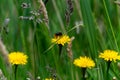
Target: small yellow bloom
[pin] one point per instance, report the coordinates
(61, 39)
(110, 55)
(84, 62)
(17, 58)
(49, 79)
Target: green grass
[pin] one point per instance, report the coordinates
(100, 31)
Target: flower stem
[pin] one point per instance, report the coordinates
(108, 67)
(83, 73)
(15, 71)
(60, 49)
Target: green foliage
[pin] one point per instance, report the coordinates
(99, 30)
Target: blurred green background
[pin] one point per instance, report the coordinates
(99, 30)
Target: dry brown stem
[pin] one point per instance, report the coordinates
(69, 49)
(4, 52)
(44, 11)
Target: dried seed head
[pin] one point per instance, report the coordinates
(2, 77)
(52, 72)
(78, 24)
(44, 11)
(30, 76)
(27, 18)
(35, 13)
(70, 6)
(117, 2)
(69, 11)
(5, 25)
(25, 5)
(67, 17)
(69, 48)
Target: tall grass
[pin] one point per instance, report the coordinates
(99, 30)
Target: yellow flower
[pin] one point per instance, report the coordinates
(49, 79)
(61, 39)
(17, 58)
(84, 62)
(110, 55)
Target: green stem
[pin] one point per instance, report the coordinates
(83, 73)
(60, 49)
(15, 71)
(108, 66)
(107, 71)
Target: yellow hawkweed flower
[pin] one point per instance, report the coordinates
(84, 62)
(61, 39)
(110, 55)
(17, 58)
(49, 79)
